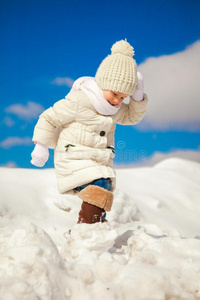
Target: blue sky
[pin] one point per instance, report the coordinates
(45, 45)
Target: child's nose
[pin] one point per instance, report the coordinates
(117, 100)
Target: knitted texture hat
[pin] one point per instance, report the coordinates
(118, 71)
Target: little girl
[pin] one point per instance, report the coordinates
(81, 129)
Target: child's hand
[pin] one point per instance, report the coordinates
(39, 155)
(138, 94)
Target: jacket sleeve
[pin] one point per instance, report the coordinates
(133, 112)
(62, 112)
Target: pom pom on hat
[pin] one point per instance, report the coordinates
(118, 71)
(123, 47)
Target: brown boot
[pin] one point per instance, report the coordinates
(90, 213)
(96, 200)
(97, 196)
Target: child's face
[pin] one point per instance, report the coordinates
(114, 98)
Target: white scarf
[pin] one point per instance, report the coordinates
(89, 86)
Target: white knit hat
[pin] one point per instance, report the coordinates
(118, 71)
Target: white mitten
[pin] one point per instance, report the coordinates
(39, 155)
(138, 94)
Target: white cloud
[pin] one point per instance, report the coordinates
(63, 81)
(30, 111)
(9, 122)
(10, 164)
(184, 154)
(13, 141)
(192, 155)
(172, 84)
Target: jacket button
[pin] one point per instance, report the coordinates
(102, 133)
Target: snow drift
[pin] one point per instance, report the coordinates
(149, 249)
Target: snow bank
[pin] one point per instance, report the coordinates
(167, 194)
(149, 249)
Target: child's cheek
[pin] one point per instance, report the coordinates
(108, 97)
(111, 97)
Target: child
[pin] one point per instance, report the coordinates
(86, 121)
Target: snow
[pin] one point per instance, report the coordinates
(149, 249)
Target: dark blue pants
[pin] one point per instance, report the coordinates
(105, 183)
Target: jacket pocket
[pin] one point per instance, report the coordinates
(102, 156)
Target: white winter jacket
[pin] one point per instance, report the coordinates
(84, 147)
